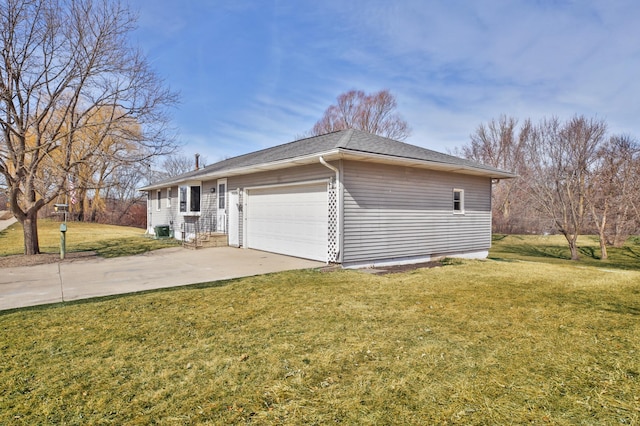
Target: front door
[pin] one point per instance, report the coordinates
(234, 218)
(221, 223)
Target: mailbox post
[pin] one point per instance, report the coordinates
(63, 240)
(62, 208)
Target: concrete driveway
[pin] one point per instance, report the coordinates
(82, 279)
(6, 222)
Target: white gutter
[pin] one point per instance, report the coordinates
(338, 204)
(337, 154)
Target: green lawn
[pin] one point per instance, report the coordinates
(475, 342)
(554, 249)
(105, 240)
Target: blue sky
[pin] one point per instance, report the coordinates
(254, 74)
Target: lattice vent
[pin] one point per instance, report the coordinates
(333, 225)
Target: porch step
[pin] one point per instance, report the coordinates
(207, 240)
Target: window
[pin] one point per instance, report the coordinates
(189, 199)
(222, 196)
(194, 205)
(182, 195)
(169, 197)
(458, 201)
(158, 199)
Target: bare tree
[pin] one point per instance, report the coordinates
(561, 157)
(500, 143)
(121, 190)
(374, 113)
(178, 163)
(613, 191)
(67, 68)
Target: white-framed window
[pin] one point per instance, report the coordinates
(189, 198)
(194, 198)
(222, 194)
(158, 199)
(458, 201)
(168, 197)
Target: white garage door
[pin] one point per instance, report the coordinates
(289, 220)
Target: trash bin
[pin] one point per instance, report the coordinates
(162, 231)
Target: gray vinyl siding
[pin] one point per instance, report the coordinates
(275, 177)
(396, 212)
(171, 215)
(166, 214)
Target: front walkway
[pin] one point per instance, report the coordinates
(4, 224)
(82, 279)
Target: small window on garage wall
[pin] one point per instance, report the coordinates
(458, 201)
(158, 199)
(169, 197)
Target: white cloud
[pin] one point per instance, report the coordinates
(452, 65)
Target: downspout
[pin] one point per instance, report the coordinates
(338, 204)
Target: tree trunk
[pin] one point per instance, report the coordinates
(573, 246)
(30, 230)
(620, 234)
(602, 226)
(603, 248)
(575, 255)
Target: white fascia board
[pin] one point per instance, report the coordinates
(275, 165)
(340, 154)
(424, 164)
(345, 154)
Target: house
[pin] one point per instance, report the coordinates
(346, 197)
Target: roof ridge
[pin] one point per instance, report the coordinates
(353, 140)
(253, 153)
(344, 139)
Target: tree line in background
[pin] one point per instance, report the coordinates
(574, 178)
(109, 193)
(80, 109)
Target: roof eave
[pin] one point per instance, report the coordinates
(262, 167)
(424, 164)
(339, 154)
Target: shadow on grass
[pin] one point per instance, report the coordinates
(524, 247)
(548, 251)
(589, 252)
(631, 253)
(126, 246)
(623, 309)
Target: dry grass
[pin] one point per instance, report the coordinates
(105, 240)
(469, 343)
(554, 249)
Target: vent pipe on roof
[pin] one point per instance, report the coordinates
(197, 161)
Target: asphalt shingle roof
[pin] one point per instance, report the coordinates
(347, 140)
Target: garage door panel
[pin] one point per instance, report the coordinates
(290, 220)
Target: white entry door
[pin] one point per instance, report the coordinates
(291, 220)
(234, 218)
(221, 223)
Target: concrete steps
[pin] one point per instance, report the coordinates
(207, 240)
